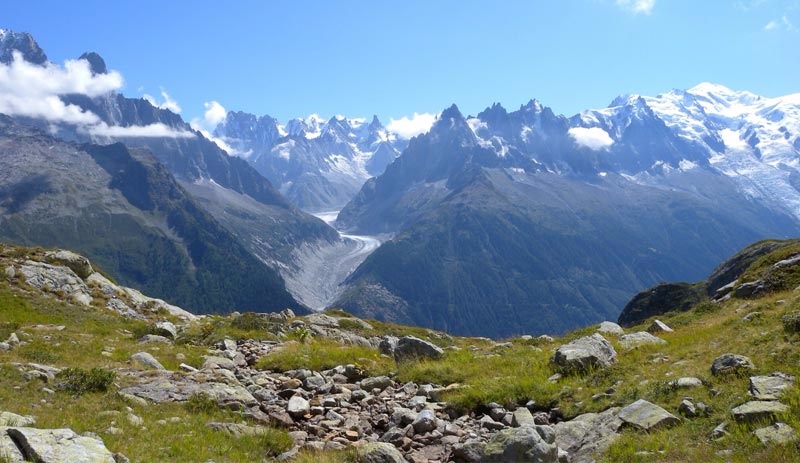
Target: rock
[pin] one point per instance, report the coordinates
(237, 429)
(522, 417)
(687, 409)
(731, 363)
(749, 289)
(720, 431)
(584, 354)
(638, 339)
(387, 345)
(647, 416)
(154, 339)
(410, 347)
(146, 360)
(770, 387)
(10, 272)
(470, 451)
(757, 410)
(161, 390)
(60, 445)
(523, 444)
(78, 264)
(376, 382)
(588, 434)
(13, 340)
(610, 328)
(298, 407)
(424, 422)
(4, 346)
(212, 362)
(167, 329)
(778, 433)
(379, 452)
(135, 420)
(659, 327)
(12, 419)
(686, 382)
(56, 279)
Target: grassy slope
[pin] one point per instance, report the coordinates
(515, 373)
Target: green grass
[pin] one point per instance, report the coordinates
(323, 354)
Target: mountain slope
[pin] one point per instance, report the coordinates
(123, 209)
(494, 240)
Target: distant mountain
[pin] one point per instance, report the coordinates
(23, 43)
(319, 165)
(123, 209)
(516, 222)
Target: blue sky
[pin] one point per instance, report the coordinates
(393, 58)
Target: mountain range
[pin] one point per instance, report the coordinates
(503, 223)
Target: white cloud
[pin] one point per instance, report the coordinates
(417, 124)
(35, 91)
(593, 138)
(772, 25)
(780, 24)
(168, 102)
(215, 113)
(637, 6)
(157, 130)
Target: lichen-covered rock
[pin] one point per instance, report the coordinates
(56, 279)
(380, 452)
(60, 446)
(770, 387)
(147, 360)
(638, 339)
(12, 419)
(584, 354)
(534, 444)
(161, 390)
(659, 327)
(731, 364)
(610, 328)
(77, 263)
(588, 434)
(647, 416)
(778, 433)
(410, 347)
(758, 410)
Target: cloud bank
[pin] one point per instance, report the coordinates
(406, 127)
(593, 138)
(214, 115)
(168, 102)
(35, 91)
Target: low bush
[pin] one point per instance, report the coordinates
(80, 381)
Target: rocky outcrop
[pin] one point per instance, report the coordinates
(638, 339)
(77, 263)
(758, 410)
(731, 364)
(660, 299)
(534, 444)
(770, 387)
(410, 347)
(585, 353)
(59, 446)
(587, 435)
(647, 416)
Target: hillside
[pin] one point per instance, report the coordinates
(83, 355)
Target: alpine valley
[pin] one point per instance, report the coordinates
(503, 223)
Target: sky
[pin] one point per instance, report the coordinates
(396, 59)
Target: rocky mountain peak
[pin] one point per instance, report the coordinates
(22, 42)
(96, 62)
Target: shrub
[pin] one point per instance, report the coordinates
(80, 381)
(791, 322)
(200, 402)
(250, 321)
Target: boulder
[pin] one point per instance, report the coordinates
(647, 416)
(379, 452)
(298, 407)
(686, 382)
(758, 410)
(161, 390)
(610, 328)
(588, 434)
(731, 363)
(659, 327)
(584, 354)
(12, 419)
(56, 279)
(522, 417)
(535, 444)
(78, 264)
(60, 445)
(410, 347)
(8, 449)
(376, 382)
(387, 345)
(638, 339)
(146, 360)
(778, 433)
(167, 329)
(424, 422)
(770, 387)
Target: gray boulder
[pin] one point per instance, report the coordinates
(522, 417)
(56, 279)
(8, 449)
(686, 382)
(610, 328)
(647, 416)
(146, 360)
(376, 382)
(638, 339)
(731, 363)
(410, 347)
(298, 407)
(584, 354)
(380, 452)
(60, 445)
(534, 444)
(588, 434)
(387, 345)
(424, 422)
(167, 329)
(162, 390)
(78, 264)
(770, 387)
(758, 410)
(659, 327)
(778, 433)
